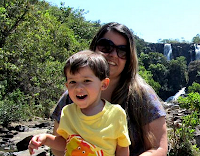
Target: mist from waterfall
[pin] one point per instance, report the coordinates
(197, 51)
(168, 51)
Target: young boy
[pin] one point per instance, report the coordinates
(91, 125)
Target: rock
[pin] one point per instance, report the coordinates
(178, 49)
(42, 151)
(16, 137)
(23, 144)
(20, 136)
(44, 124)
(173, 118)
(3, 130)
(21, 128)
(167, 104)
(9, 135)
(197, 139)
(197, 136)
(11, 145)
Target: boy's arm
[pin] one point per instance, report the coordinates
(54, 151)
(56, 142)
(122, 151)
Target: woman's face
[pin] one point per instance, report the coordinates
(116, 64)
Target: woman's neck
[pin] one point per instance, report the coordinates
(106, 94)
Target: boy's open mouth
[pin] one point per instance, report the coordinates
(81, 96)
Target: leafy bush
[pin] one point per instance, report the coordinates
(35, 41)
(192, 101)
(194, 88)
(180, 137)
(147, 75)
(14, 108)
(171, 75)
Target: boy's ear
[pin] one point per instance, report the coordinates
(105, 83)
(66, 84)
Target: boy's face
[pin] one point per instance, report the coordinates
(85, 88)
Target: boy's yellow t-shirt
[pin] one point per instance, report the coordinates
(102, 132)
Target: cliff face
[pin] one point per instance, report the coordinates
(193, 70)
(178, 49)
(184, 49)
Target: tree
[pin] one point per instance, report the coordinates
(182, 40)
(196, 39)
(148, 76)
(178, 75)
(12, 13)
(171, 75)
(34, 49)
(153, 58)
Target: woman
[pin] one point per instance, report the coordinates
(146, 116)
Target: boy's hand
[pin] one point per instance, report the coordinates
(36, 142)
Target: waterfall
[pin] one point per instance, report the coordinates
(197, 52)
(168, 51)
(176, 96)
(181, 92)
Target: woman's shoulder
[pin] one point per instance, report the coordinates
(63, 101)
(155, 104)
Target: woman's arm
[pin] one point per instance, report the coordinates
(55, 152)
(159, 129)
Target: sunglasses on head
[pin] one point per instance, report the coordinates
(107, 46)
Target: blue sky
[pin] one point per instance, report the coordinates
(151, 20)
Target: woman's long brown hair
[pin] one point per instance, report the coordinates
(129, 92)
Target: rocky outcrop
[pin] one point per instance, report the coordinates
(183, 49)
(155, 47)
(14, 139)
(178, 49)
(174, 119)
(194, 72)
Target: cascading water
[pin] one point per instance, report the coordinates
(168, 51)
(197, 51)
(181, 92)
(177, 95)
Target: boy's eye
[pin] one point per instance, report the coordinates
(72, 82)
(87, 81)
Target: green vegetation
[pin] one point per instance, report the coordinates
(170, 75)
(196, 39)
(194, 88)
(181, 136)
(192, 100)
(36, 39)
